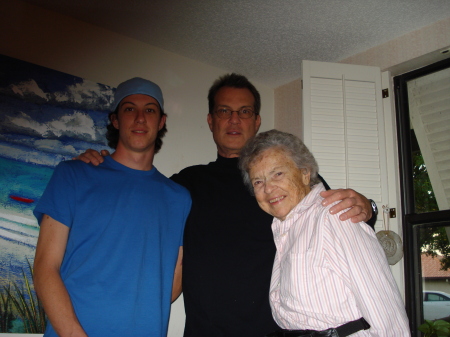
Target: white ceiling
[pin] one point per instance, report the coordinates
(262, 39)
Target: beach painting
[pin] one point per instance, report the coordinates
(46, 116)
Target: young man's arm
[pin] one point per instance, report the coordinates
(177, 287)
(47, 279)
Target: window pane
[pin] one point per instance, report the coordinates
(435, 266)
(425, 200)
(429, 109)
(423, 117)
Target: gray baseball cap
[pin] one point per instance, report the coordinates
(135, 86)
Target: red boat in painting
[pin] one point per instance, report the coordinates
(21, 199)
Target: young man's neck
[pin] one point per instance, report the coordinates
(142, 161)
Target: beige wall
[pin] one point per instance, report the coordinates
(288, 107)
(399, 55)
(442, 285)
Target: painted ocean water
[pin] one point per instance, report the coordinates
(21, 185)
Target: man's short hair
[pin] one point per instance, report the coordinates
(233, 80)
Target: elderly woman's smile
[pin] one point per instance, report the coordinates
(277, 182)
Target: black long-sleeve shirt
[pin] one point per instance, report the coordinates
(228, 254)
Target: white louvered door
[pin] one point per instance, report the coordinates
(343, 125)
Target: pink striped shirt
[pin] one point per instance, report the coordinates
(328, 272)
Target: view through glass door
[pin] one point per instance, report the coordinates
(423, 114)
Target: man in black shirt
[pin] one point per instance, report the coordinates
(228, 242)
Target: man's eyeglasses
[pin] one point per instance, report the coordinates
(243, 113)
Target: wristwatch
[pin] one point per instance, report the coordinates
(374, 207)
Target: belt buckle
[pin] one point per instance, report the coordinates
(332, 332)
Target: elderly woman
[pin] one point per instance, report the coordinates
(329, 277)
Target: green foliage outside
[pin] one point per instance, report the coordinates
(423, 191)
(438, 328)
(20, 309)
(431, 240)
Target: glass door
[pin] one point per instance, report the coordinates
(423, 118)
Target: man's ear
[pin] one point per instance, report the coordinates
(258, 122)
(162, 122)
(114, 121)
(209, 120)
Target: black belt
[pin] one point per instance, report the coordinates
(341, 331)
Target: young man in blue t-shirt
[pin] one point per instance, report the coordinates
(110, 245)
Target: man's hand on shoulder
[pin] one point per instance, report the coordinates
(92, 156)
(360, 207)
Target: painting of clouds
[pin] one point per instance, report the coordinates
(45, 117)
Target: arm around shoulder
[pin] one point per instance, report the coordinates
(360, 208)
(92, 156)
(47, 279)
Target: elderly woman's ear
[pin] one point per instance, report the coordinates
(306, 177)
